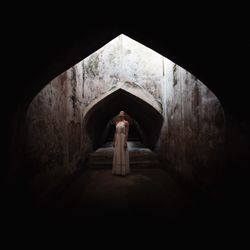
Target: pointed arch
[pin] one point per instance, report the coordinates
(97, 115)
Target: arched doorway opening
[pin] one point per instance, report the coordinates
(146, 120)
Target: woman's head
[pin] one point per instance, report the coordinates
(121, 115)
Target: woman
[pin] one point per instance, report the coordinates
(121, 154)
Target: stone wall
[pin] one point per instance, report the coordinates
(193, 134)
(121, 60)
(55, 142)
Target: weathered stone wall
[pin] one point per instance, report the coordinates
(192, 134)
(55, 142)
(122, 60)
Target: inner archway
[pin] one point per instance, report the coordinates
(147, 125)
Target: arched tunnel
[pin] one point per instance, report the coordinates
(176, 132)
(54, 136)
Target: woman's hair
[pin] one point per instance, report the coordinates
(122, 113)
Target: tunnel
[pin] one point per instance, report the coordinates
(176, 120)
(145, 120)
(54, 129)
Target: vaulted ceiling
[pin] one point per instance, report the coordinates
(42, 47)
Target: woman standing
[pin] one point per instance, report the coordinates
(121, 154)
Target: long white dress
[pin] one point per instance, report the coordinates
(121, 154)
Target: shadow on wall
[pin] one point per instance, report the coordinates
(192, 141)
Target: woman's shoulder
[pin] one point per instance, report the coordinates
(125, 121)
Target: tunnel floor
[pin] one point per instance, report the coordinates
(148, 203)
(145, 196)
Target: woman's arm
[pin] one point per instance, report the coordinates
(126, 130)
(114, 136)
